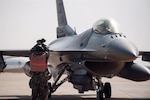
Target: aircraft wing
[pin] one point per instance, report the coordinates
(145, 55)
(17, 53)
(25, 53)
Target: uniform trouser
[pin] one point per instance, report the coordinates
(39, 86)
(42, 94)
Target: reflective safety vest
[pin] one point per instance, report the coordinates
(38, 63)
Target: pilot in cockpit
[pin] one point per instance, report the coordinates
(105, 26)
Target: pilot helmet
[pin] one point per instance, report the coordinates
(106, 25)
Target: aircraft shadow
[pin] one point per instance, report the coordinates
(15, 97)
(65, 97)
(89, 97)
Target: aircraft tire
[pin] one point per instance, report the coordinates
(107, 90)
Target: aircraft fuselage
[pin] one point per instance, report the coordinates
(99, 54)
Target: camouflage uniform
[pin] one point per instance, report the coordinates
(39, 85)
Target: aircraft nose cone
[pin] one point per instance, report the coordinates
(123, 50)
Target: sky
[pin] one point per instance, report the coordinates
(22, 22)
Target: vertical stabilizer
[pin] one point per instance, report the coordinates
(61, 15)
(63, 28)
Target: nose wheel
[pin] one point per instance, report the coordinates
(107, 90)
(103, 90)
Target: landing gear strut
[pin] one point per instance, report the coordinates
(103, 90)
(53, 87)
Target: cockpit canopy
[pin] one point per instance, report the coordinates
(103, 26)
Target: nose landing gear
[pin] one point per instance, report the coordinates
(103, 90)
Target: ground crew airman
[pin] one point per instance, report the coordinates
(38, 62)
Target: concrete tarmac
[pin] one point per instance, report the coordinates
(14, 86)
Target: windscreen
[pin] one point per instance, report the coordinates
(106, 26)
